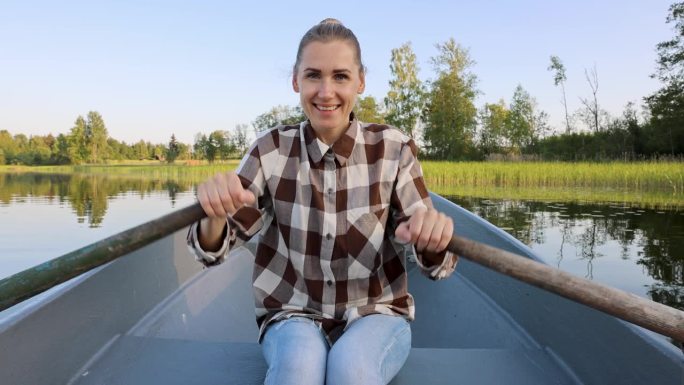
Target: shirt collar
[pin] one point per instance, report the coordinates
(342, 148)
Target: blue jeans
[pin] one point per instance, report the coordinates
(370, 352)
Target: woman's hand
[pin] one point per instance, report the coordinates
(428, 229)
(223, 195)
(219, 197)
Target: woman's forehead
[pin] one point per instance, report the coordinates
(336, 54)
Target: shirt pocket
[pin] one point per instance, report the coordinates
(364, 239)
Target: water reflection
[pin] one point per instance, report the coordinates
(87, 195)
(639, 250)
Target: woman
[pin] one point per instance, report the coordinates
(340, 204)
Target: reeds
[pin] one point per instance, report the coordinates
(650, 183)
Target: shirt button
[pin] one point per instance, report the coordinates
(330, 191)
(329, 283)
(328, 236)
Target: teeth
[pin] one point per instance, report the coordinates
(332, 108)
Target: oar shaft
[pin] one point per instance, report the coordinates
(629, 307)
(31, 282)
(651, 315)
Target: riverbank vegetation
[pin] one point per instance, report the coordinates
(644, 184)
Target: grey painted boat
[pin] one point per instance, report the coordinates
(156, 317)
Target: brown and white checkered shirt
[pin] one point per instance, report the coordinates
(327, 216)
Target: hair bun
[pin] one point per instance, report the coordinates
(331, 20)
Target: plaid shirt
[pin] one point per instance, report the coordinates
(327, 216)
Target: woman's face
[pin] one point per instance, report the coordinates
(328, 81)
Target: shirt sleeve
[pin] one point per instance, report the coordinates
(409, 195)
(246, 222)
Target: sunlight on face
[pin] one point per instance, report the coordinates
(328, 81)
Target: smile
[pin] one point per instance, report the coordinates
(326, 108)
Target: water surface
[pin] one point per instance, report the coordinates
(43, 216)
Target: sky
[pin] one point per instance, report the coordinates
(156, 68)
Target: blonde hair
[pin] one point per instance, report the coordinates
(326, 31)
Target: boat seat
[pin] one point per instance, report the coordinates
(132, 360)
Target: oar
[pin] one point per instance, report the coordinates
(629, 307)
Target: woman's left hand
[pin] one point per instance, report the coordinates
(428, 229)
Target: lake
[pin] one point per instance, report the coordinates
(639, 250)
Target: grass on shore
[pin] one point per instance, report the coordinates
(639, 183)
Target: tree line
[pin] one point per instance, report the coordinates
(440, 113)
(88, 142)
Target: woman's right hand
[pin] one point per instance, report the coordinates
(219, 197)
(223, 195)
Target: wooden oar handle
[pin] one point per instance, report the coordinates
(629, 307)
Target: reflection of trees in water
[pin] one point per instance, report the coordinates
(659, 235)
(88, 195)
(588, 240)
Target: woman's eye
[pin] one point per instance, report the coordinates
(341, 77)
(312, 75)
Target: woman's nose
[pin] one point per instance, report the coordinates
(325, 89)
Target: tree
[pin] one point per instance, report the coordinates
(493, 121)
(96, 138)
(173, 151)
(279, 115)
(591, 106)
(406, 96)
(159, 152)
(199, 147)
(239, 139)
(560, 78)
(450, 113)
(212, 146)
(78, 150)
(220, 140)
(367, 110)
(665, 131)
(8, 147)
(140, 150)
(521, 127)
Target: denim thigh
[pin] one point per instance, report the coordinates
(371, 351)
(296, 352)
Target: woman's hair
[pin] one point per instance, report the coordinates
(326, 31)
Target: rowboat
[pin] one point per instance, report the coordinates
(155, 316)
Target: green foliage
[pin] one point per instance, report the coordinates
(278, 115)
(406, 96)
(492, 133)
(239, 139)
(173, 151)
(523, 123)
(665, 133)
(367, 110)
(96, 138)
(77, 142)
(450, 113)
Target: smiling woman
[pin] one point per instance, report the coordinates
(348, 204)
(328, 77)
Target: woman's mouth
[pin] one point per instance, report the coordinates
(326, 108)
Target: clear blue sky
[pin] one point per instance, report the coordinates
(153, 68)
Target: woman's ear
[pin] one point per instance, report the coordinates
(362, 85)
(295, 85)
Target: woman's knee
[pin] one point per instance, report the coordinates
(370, 352)
(296, 352)
(350, 366)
